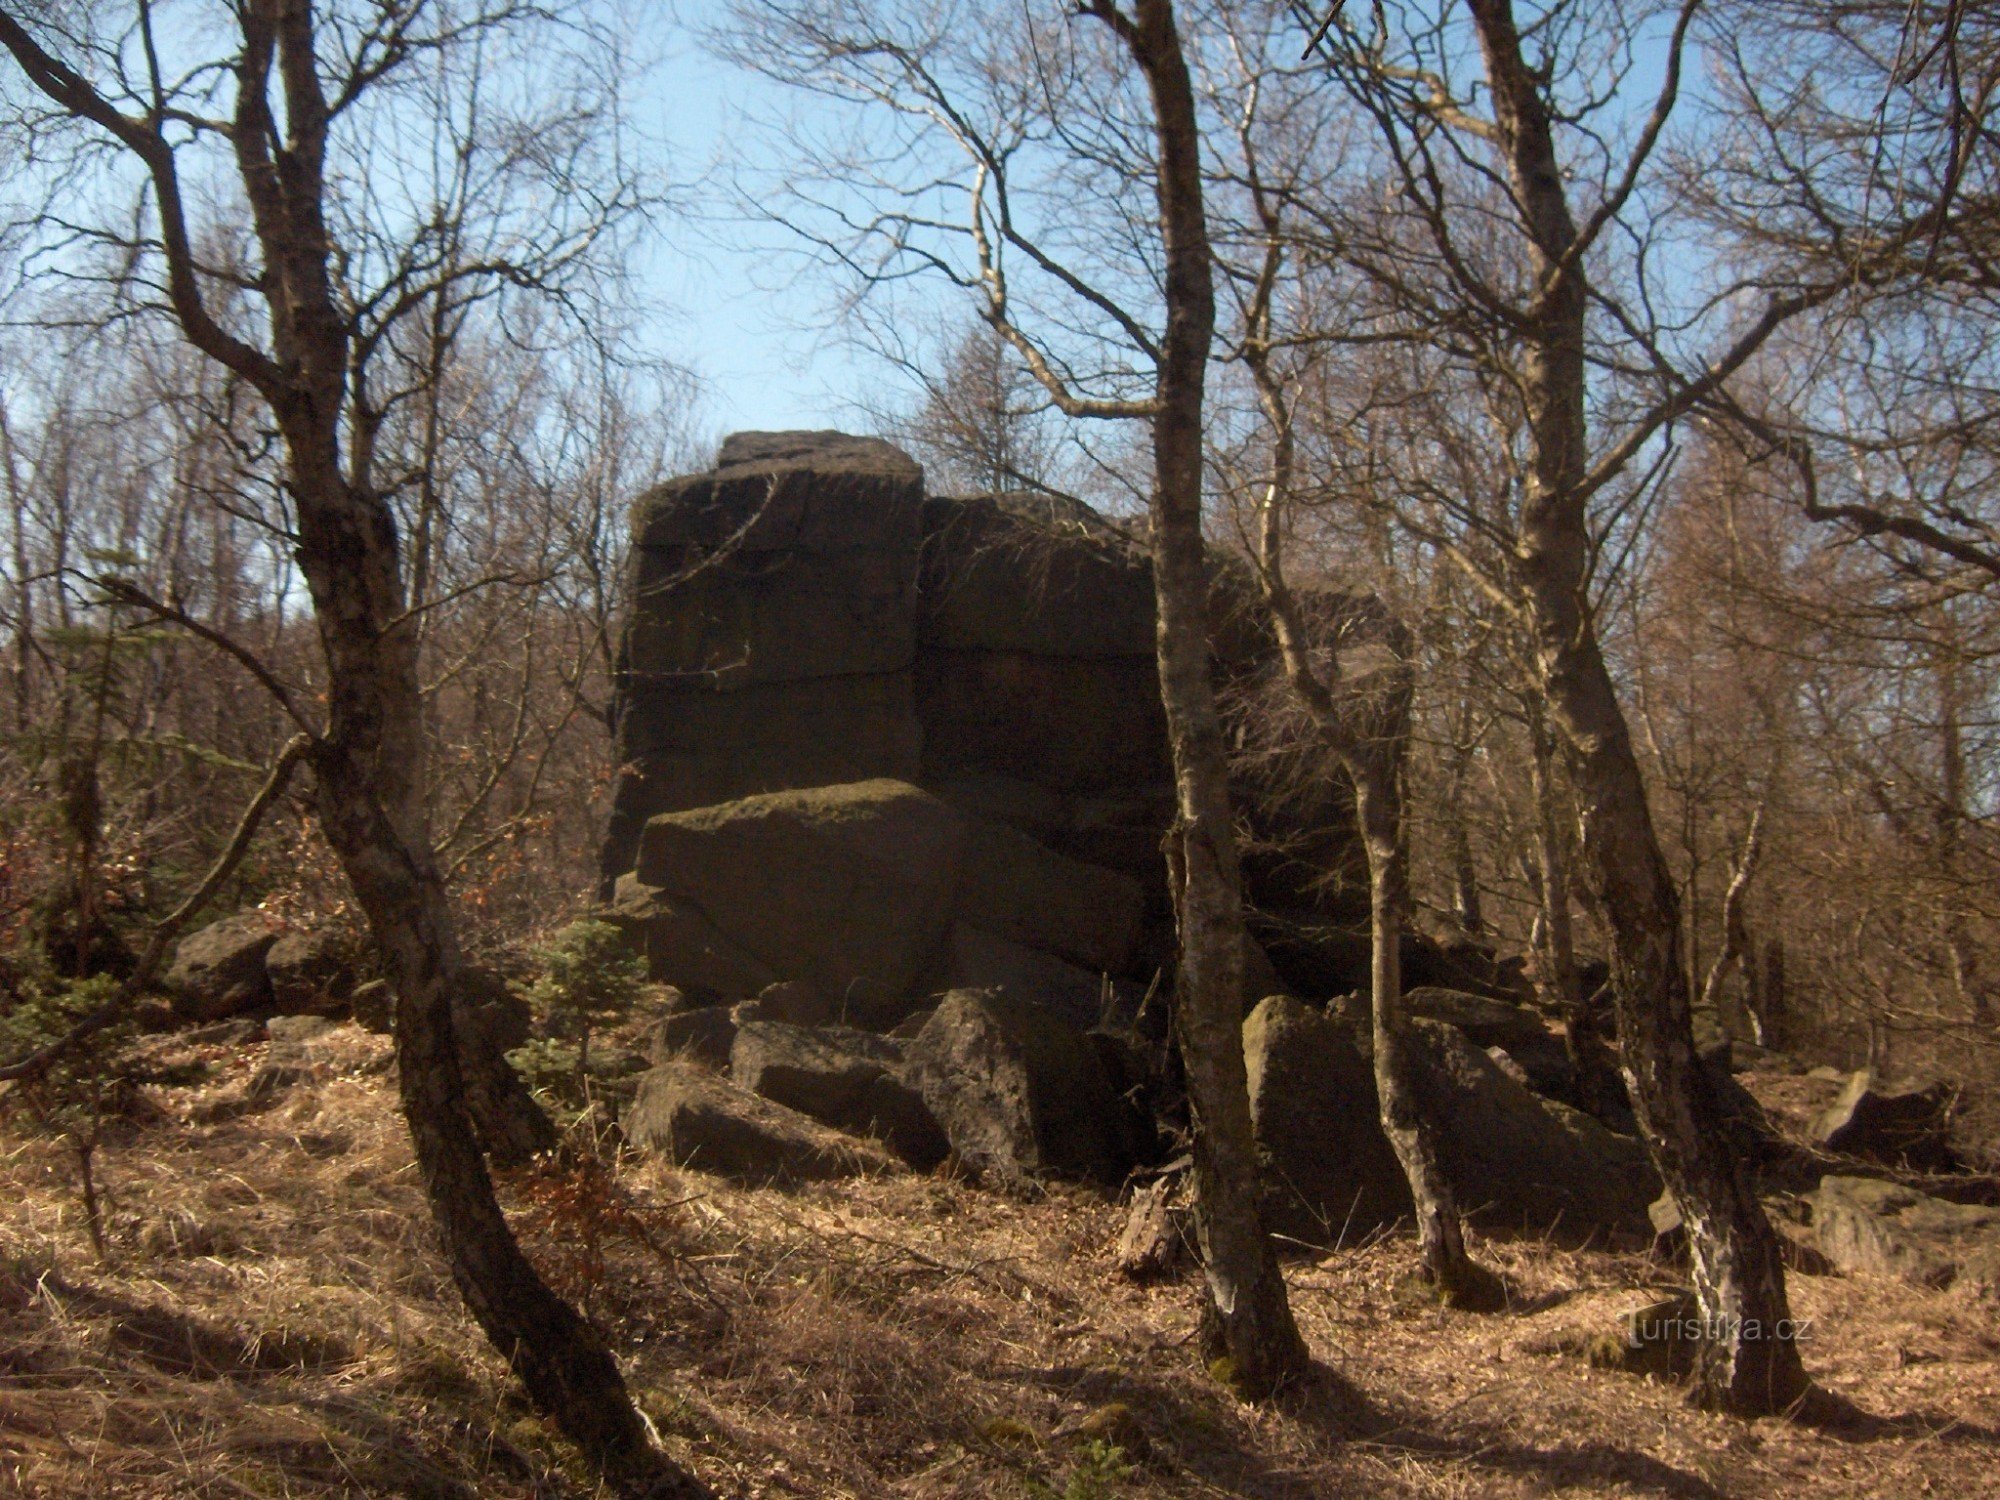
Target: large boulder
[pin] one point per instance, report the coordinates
(1020, 1094)
(833, 884)
(1329, 1175)
(701, 1120)
(1886, 1229)
(1908, 1127)
(311, 972)
(1517, 1162)
(840, 1077)
(220, 970)
(1514, 1161)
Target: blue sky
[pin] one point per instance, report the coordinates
(733, 304)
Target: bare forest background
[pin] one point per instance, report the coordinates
(1813, 693)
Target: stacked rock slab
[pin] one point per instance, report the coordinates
(802, 616)
(772, 630)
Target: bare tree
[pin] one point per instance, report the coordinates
(1107, 340)
(1512, 314)
(294, 76)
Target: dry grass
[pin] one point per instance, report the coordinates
(276, 1323)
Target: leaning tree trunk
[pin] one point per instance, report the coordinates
(1248, 1320)
(368, 769)
(1746, 1358)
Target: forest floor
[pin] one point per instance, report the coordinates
(273, 1320)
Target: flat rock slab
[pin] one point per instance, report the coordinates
(701, 1120)
(1886, 1229)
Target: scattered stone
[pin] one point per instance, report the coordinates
(840, 1077)
(220, 971)
(1886, 1229)
(1020, 1094)
(701, 1120)
(1908, 1127)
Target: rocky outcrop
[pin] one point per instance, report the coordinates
(804, 617)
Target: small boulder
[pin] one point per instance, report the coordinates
(1020, 1093)
(310, 973)
(701, 1120)
(1886, 1229)
(1907, 1127)
(220, 970)
(840, 1077)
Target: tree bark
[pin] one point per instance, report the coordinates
(1746, 1359)
(1455, 1278)
(1248, 1319)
